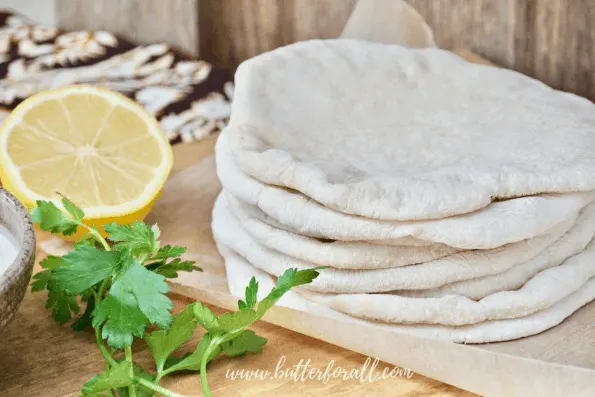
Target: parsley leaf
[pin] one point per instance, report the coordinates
(163, 343)
(251, 293)
(205, 317)
(74, 211)
(51, 262)
(234, 321)
(193, 360)
(246, 342)
(85, 267)
(52, 219)
(289, 279)
(167, 251)
(122, 317)
(171, 269)
(138, 237)
(136, 298)
(119, 375)
(42, 278)
(173, 360)
(149, 289)
(62, 305)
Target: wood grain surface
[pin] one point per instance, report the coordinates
(142, 21)
(551, 40)
(232, 31)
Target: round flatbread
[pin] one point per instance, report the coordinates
(497, 224)
(461, 266)
(541, 292)
(239, 273)
(571, 243)
(388, 132)
(338, 254)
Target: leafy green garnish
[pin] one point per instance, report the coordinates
(138, 238)
(136, 298)
(118, 375)
(43, 277)
(171, 269)
(121, 280)
(51, 219)
(205, 317)
(246, 342)
(62, 306)
(167, 251)
(75, 212)
(163, 343)
(83, 267)
(251, 293)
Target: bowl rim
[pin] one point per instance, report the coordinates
(23, 261)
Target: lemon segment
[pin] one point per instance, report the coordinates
(95, 146)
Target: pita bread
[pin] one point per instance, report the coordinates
(572, 243)
(461, 266)
(337, 254)
(239, 273)
(495, 225)
(542, 291)
(388, 132)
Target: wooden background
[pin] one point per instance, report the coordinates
(552, 40)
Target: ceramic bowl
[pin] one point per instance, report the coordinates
(15, 279)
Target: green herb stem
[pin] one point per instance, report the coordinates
(104, 352)
(102, 289)
(165, 372)
(128, 356)
(156, 388)
(110, 392)
(203, 376)
(203, 368)
(107, 247)
(160, 374)
(97, 236)
(108, 358)
(128, 353)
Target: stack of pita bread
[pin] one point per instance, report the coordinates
(445, 198)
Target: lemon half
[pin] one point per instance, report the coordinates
(97, 147)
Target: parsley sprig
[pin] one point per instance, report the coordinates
(121, 281)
